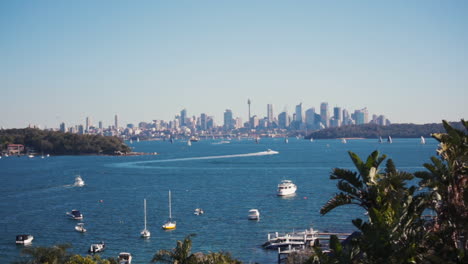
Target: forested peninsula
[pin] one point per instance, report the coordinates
(376, 131)
(59, 143)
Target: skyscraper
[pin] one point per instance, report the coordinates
(62, 127)
(88, 124)
(283, 120)
(203, 121)
(324, 114)
(183, 117)
(270, 113)
(248, 102)
(116, 122)
(361, 116)
(228, 120)
(337, 116)
(100, 124)
(310, 117)
(299, 114)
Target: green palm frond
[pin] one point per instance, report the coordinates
(347, 175)
(337, 200)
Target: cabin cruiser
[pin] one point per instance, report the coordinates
(80, 227)
(286, 187)
(24, 239)
(75, 215)
(254, 214)
(95, 248)
(198, 211)
(79, 181)
(125, 258)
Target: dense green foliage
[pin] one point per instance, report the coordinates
(376, 131)
(395, 230)
(58, 143)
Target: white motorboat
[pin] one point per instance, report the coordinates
(125, 258)
(24, 239)
(423, 141)
(170, 224)
(79, 182)
(75, 215)
(198, 211)
(254, 214)
(95, 248)
(30, 156)
(145, 233)
(80, 228)
(286, 187)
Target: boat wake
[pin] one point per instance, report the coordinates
(261, 153)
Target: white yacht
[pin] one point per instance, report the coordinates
(79, 181)
(170, 224)
(95, 248)
(286, 187)
(198, 211)
(24, 239)
(31, 156)
(75, 215)
(254, 214)
(145, 233)
(80, 228)
(125, 258)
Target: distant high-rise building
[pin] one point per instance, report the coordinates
(270, 113)
(361, 116)
(337, 116)
(100, 125)
(238, 123)
(298, 118)
(283, 120)
(228, 120)
(254, 122)
(81, 130)
(324, 114)
(88, 124)
(310, 117)
(62, 127)
(346, 118)
(183, 117)
(116, 122)
(249, 102)
(203, 122)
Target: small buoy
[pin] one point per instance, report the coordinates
(305, 198)
(101, 201)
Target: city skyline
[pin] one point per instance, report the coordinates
(63, 62)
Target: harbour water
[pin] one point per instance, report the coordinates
(225, 180)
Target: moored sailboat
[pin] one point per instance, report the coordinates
(145, 233)
(423, 141)
(170, 224)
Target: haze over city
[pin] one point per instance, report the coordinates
(147, 60)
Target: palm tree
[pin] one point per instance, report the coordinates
(179, 255)
(394, 224)
(447, 181)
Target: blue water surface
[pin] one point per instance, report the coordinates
(36, 194)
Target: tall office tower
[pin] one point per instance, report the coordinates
(81, 130)
(254, 122)
(310, 117)
(116, 122)
(203, 121)
(337, 115)
(248, 102)
(183, 117)
(100, 124)
(324, 114)
(346, 118)
(88, 124)
(299, 114)
(283, 120)
(228, 121)
(210, 122)
(62, 127)
(270, 113)
(361, 116)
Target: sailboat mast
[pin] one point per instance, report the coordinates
(170, 211)
(145, 212)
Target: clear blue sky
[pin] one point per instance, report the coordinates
(61, 61)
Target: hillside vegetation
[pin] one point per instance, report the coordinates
(376, 131)
(59, 143)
